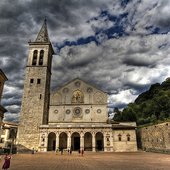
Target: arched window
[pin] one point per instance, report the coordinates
(120, 137)
(34, 60)
(41, 57)
(128, 137)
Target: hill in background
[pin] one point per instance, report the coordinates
(149, 107)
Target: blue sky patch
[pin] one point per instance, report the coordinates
(113, 32)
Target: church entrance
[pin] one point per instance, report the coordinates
(88, 141)
(51, 141)
(99, 141)
(75, 141)
(63, 141)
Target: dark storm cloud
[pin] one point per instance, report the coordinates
(12, 109)
(15, 94)
(109, 65)
(138, 88)
(162, 20)
(13, 101)
(11, 117)
(136, 62)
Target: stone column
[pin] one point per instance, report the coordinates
(7, 133)
(93, 142)
(82, 141)
(69, 140)
(57, 141)
(105, 142)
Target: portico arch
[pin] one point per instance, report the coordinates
(88, 141)
(99, 141)
(51, 141)
(62, 141)
(75, 141)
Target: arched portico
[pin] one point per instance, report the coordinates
(51, 141)
(88, 141)
(99, 141)
(62, 141)
(75, 141)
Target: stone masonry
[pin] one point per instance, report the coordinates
(156, 137)
(35, 101)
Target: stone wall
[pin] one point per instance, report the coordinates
(155, 138)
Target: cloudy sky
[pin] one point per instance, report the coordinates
(121, 46)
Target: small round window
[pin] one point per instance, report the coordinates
(65, 90)
(77, 84)
(87, 111)
(55, 111)
(77, 111)
(99, 110)
(68, 111)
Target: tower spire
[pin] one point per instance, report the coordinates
(43, 34)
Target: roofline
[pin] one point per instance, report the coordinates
(3, 109)
(119, 127)
(74, 80)
(9, 123)
(3, 74)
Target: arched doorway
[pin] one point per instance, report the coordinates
(88, 141)
(51, 141)
(63, 141)
(75, 141)
(99, 141)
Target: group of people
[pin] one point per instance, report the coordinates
(69, 151)
(62, 150)
(80, 151)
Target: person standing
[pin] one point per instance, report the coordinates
(70, 151)
(6, 164)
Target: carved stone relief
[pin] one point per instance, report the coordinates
(77, 97)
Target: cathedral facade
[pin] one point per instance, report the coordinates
(74, 116)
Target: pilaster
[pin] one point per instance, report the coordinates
(69, 140)
(82, 140)
(93, 142)
(57, 141)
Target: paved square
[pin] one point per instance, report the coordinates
(91, 161)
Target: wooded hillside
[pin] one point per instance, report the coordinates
(149, 107)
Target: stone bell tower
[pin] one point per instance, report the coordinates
(35, 101)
